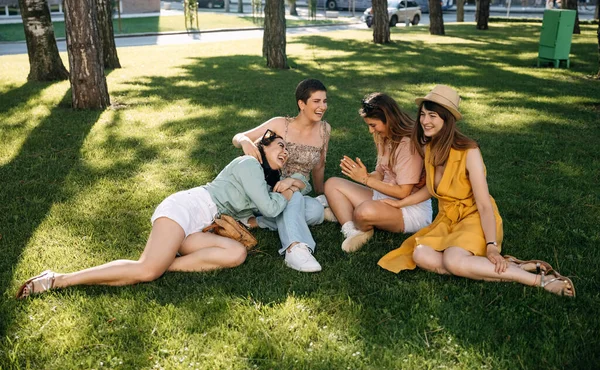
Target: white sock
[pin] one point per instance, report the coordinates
(348, 227)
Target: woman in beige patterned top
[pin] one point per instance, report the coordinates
(307, 136)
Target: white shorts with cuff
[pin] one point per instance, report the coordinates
(415, 217)
(192, 209)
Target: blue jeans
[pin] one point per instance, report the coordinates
(292, 224)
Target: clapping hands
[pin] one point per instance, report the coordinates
(355, 170)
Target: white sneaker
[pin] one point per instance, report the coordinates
(355, 238)
(329, 216)
(323, 200)
(301, 259)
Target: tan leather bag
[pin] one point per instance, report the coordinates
(228, 227)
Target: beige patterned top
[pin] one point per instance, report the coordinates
(303, 158)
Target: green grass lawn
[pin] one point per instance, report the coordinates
(206, 21)
(79, 187)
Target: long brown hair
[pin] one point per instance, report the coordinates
(448, 137)
(399, 124)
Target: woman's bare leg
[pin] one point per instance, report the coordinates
(372, 213)
(463, 263)
(460, 262)
(164, 241)
(207, 251)
(429, 259)
(344, 196)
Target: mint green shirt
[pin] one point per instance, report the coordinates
(240, 190)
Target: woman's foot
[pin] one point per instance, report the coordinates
(37, 284)
(536, 266)
(299, 257)
(355, 238)
(557, 284)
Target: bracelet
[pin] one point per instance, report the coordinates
(495, 244)
(365, 183)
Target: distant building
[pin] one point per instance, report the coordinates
(11, 7)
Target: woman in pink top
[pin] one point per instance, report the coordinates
(399, 173)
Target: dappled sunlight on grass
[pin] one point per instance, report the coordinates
(440, 40)
(20, 119)
(79, 188)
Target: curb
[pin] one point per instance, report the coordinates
(195, 32)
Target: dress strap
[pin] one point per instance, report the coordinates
(287, 123)
(324, 134)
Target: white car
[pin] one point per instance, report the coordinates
(398, 11)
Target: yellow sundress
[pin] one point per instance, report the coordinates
(457, 223)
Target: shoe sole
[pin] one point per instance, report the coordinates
(302, 270)
(357, 242)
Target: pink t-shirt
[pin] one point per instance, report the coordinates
(408, 166)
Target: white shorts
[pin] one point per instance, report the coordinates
(192, 209)
(415, 217)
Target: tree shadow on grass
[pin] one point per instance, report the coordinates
(409, 308)
(33, 183)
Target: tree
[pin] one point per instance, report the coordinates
(460, 10)
(88, 83)
(274, 34)
(44, 61)
(598, 34)
(572, 4)
(293, 10)
(381, 27)
(482, 14)
(107, 35)
(240, 6)
(436, 19)
(226, 6)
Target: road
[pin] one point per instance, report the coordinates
(212, 36)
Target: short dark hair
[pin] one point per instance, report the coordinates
(306, 88)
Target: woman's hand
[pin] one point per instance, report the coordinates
(396, 203)
(284, 184)
(249, 148)
(287, 194)
(357, 171)
(494, 256)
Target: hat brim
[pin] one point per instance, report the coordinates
(451, 109)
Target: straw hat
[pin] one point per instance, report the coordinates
(445, 96)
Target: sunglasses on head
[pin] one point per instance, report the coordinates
(268, 137)
(367, 107)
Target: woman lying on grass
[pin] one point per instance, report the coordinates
(466, 236)
(176, 241)
(398, 173)
(307, 136)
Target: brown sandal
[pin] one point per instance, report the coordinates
(45, 280)
(567, 283)
(541, 267)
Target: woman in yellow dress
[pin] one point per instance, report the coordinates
(466, 236)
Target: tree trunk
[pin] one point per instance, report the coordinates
(274, 34)
(381, 26)
(597, 12)
(293, 10)
(107, 35)
(436, 19)
(572, 4)
(44, 61)
(226, 5)
(482, 14)
(460, 10)
(240, 6)
(598, 34)
(88, 83)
